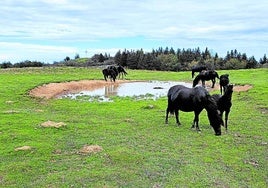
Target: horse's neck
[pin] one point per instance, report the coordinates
(197, 79)
(227, 96)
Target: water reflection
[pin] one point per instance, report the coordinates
(138, 90)
(111, 90)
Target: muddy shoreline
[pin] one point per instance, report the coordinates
(54, 90)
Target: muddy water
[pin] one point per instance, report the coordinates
(138, 90)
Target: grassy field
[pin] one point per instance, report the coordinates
(136, 148)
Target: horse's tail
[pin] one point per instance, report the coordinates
(213, 114)
(171, 106)
(196, 80)
(192, 73)
(217, 75)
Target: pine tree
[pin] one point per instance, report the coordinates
(117, 58)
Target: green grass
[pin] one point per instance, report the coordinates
(139, 150)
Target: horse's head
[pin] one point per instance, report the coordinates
(214, 116)
(216, 122)
(216, 125)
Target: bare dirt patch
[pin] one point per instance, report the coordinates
(242, 88)
(236, 88)
(53, 124)
(88, 149)
(53, 90)
(23, 148)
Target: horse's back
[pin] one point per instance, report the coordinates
(185, 92)
(178, 90)
(188, 98)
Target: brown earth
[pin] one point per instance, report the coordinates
(237, 88)
(54, 90)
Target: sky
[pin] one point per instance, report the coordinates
(50, 30)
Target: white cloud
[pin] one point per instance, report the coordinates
(70, 23)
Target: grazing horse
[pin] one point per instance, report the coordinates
(224, 81)
(205, 76)
(198, 69)
(224, 102)
(109, 73)
(193, 99)
(121, 71)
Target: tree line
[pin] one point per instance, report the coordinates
(183, 59)
(165, 59)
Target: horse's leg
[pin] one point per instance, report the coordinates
(167, 112)
(177, 117)
(196, 120)
(213, 82)
(226, 118)
(203, 83)
(105, 77)
(193, 125)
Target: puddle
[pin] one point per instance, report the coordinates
(138, 90)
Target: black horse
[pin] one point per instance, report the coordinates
(193, 99)
(224, 102)
(109, 73)
(205, 76)
(224, 81)
(198, 69)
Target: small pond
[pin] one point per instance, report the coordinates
(138, 90)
